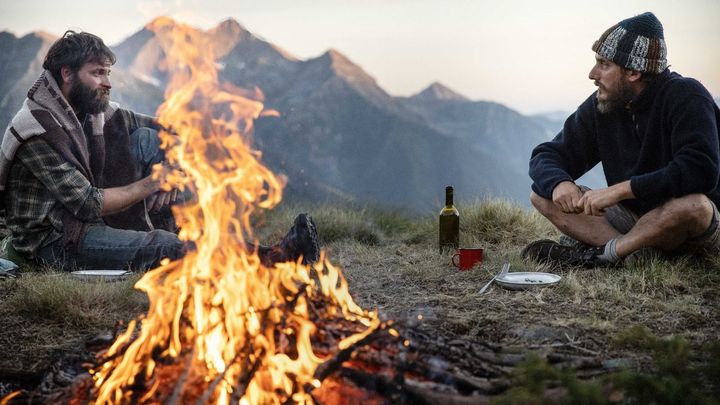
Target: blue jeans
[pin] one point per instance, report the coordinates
(109, 248)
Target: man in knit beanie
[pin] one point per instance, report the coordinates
(636, 44)
(656, 135)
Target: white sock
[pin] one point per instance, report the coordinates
(610, 253)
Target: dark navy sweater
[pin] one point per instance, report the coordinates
(666, 144)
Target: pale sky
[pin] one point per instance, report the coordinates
(531, 55)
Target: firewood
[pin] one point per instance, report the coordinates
(428, 395)
(576, 362)
(331, 365)
(180, 384)
(247, 376)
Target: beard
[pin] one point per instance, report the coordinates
(617, 97)
(86, 100)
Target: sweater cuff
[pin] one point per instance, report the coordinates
(546, 188)
(650, 185)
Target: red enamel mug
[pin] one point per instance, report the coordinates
(467, 258)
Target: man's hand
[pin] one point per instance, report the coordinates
(116, 199)
(160, 199)
(594, 202)
(169, 177)
(159, 186)
(566, 196)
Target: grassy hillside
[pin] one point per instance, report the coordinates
(643, 312)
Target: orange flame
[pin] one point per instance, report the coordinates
(216, 312)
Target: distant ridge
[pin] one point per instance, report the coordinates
(438, 91)
(20, 65)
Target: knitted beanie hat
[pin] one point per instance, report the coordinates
(635, 43)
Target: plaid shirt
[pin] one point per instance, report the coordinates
(39, 180)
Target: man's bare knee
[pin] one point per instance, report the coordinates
(543, 205)
(692, 212)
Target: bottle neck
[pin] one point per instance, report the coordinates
(449, 197)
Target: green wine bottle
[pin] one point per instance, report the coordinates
(449, 223)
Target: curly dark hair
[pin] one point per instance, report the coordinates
(74, 49)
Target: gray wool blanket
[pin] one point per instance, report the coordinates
(46, 112)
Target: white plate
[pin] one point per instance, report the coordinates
(101, 274)
(527, 279)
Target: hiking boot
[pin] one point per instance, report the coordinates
(302, 240)
(549, 251)
(572, 242)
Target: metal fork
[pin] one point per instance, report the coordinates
(503, 271)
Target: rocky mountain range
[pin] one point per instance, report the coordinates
(339, 135)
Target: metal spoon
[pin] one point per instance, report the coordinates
(503, 271)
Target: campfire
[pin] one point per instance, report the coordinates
(222, 327)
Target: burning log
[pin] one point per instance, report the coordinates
(331, 365)
(180, 384)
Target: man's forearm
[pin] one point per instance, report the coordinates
(623, 191)
(119, 198)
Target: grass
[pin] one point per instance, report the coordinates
(71, 303)
(392, 263)
(45, 316)
(678, 374)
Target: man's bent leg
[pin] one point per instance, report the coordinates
(670, 225)
(105, 247)
(110, 248)
(145, 147)
(592, 230)
(708, 242)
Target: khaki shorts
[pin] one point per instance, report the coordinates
(623, 219)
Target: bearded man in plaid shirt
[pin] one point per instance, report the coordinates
(76, 174)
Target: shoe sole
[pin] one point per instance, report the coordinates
(309, 224)
(554, 253)
(525, 252)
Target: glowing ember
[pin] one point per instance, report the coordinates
(221, 327)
